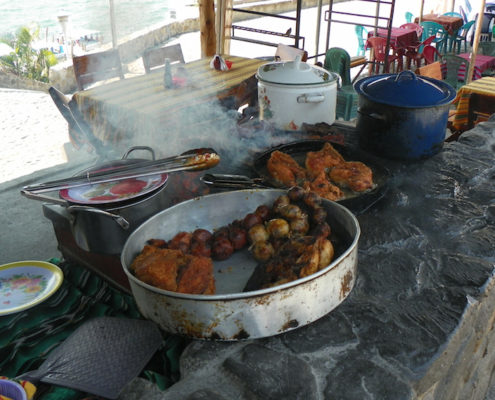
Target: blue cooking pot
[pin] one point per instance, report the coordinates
(403, 116)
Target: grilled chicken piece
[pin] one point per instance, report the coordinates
(284, 169)
(322, 186)
(158, 267)
(173, 270)
(352, 174)
(196, 276)
(322, 160)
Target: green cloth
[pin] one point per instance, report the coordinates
(27, 337)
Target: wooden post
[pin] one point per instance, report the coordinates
(421, 10)
(476, 42)
(223, 25)
(112, 25)
(207, 27)
(227, 25)
(219, 23)
(318, 25)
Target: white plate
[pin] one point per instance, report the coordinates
(111, 192)
(24, 284)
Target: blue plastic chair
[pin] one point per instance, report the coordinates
(453, 63)
(338, 60)
(456, 40)
(361, 33)
(441, 35)
(487, 48)
(409, 16)
(452, 14)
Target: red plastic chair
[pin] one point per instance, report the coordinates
(430, 54)
(379, 46)
(411, 25)
(415, 53)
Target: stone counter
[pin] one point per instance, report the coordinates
(419, 322)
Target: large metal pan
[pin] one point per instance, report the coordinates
(232, 314)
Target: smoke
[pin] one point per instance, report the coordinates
(190, 121)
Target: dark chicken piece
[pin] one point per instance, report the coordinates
(311, 199)
(279, 203)
(284, 169)
(237, 236)
(181, 241)
(278, 228)
(199, 248)
(299, 226)
(262, 250)
(201, 243)
(201, 235)
(221, 233)
(291, 211)
(263, 212)
(258, 233)
(322, 229)
(353, 174)
(251, 220)
(294, 259)
(222, 249)
(158, 243)
(296, 193)
(318, 215)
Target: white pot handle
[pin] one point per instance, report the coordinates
(306, 98)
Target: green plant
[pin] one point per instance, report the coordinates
(26, 61)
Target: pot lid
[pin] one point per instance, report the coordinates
(405, 89)
(114, 191)
(295, 72)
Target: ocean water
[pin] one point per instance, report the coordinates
(93, 15)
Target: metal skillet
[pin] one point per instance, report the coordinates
(357, 202)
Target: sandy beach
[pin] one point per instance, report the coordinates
(32, 133)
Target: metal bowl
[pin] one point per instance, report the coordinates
(231, 314)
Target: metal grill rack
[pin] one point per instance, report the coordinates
(298, 39)
(375, 21)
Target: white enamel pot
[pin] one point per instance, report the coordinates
(294, 92)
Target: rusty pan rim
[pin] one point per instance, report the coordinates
(241, 295)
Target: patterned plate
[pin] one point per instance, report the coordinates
(111, 192)
(24, 284)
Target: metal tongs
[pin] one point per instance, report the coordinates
(192, 160)
(233, 181)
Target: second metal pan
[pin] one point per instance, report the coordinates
(357, 202)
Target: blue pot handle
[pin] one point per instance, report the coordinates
(405, 76)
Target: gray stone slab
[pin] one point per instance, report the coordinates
(419, 322)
